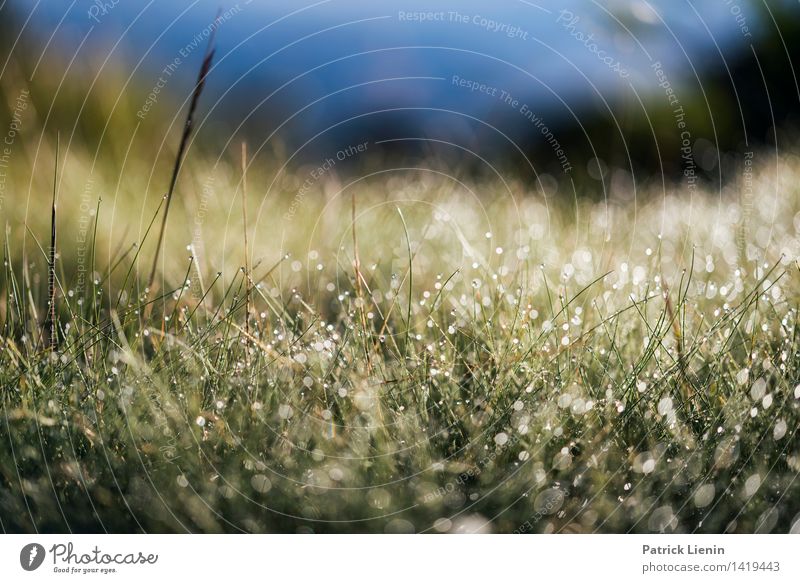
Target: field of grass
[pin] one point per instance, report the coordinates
(476, 356)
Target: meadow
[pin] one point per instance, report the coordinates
(407, 351)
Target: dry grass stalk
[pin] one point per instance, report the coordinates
(246, 249)
(52, 341)
(187, 131)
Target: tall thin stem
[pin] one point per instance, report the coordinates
(246, 249)
(52, 343)
(187, 131)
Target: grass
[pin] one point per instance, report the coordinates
(416, 357)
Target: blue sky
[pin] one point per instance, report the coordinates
(329, 61)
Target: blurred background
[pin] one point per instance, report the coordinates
(602, 94)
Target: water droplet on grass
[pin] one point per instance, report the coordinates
(780, 430)
(704, 495)
(261, 483)
(752, 485)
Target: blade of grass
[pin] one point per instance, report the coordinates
(187, 131)
(359, 291)
(410, 277)
(51, 268)
(246, 250)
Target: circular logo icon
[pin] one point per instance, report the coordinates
(31, 556)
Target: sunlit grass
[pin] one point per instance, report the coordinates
(507, 362)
